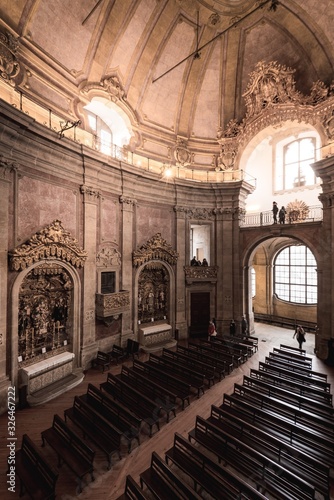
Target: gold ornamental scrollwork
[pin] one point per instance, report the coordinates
(155, 249)
(52, 242)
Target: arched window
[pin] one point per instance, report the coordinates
(293, 164)
(295, 275)
(253, 279)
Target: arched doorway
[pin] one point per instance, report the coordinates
(264, 300)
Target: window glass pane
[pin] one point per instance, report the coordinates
(295, 276)
(307, 149)
(291, 152)
(108, 282)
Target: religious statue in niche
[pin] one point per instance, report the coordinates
(45, 300)
(153, 288)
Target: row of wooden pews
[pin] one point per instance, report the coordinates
(273, 437)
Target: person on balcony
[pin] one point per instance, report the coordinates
(281, 215)
(275, 212)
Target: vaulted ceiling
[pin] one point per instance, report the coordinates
(182, 65)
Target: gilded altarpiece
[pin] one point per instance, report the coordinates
(153, 293)
(45, 300)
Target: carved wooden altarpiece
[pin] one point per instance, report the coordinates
(154, 279)
(46, 292)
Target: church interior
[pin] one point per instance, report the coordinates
(163, 163)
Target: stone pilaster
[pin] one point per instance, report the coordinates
(5, 182)
(325, 259)
(128, 205)
(90, 212)
(180, 292)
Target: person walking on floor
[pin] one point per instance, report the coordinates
(211, 330)
(244, 326)
(300, 335)
(232, 328)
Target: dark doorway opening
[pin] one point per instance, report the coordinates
(199, 314)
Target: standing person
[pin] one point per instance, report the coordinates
(211, 330)
(232, 328)
(244, 326)
(300, 335)
(281, 215)
(275, 212)
(193, 261)
(205, 262)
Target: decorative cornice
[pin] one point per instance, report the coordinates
(155, 249)
(108, 256)
(127, 200)
(208, 213)
(52, 242)
(90, 193)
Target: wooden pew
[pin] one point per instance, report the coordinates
(252, 343)
(293, 385)
(216, 480)
(37, 476)
(286, 409)
(270, 477)
(156, 393)
(127, 423)
(292, 458)
(102, 359)
(164, 483)
(194, 364)
(298, 435)
(302, 402)
(306, 360)
(132, 348)
(207, 349)
(220, 367)
(70, 449)
(239, 355)
(180, 389)
(118, 353)
(133, 491)
(295, 350)
(98, 429)
(235, 343)
(194, 379)
(296, 368)
(146, 409)
(288, 374)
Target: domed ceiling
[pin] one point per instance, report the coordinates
(181, 66)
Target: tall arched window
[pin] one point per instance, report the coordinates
(293, 163)
(295, 275)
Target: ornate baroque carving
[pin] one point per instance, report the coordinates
(6, 167)
(297, 211)
(111, 85)
(127, 200)
(9, 66)
(271, 99)
(181, 153)
(108, 256)
(89, 193)
(112, 304)
(155, 249)
(52, 242)
(200, 274)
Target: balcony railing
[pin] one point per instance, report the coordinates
(62, 126)
(200, 274)
(112, 304)
(266, 218)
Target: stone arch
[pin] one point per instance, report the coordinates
(75, 320)
(171, 292)
(307, 239)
